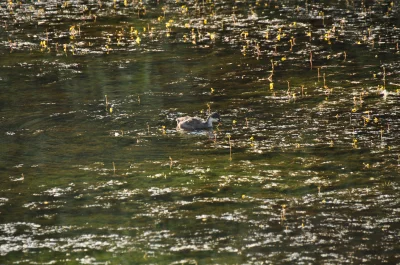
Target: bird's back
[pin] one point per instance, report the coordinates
(191, 123)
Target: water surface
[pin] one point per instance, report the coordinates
(303, 168)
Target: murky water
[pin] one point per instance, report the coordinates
(303, 169)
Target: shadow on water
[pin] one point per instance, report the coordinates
(303, 168)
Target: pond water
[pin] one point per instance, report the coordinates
(303, 168)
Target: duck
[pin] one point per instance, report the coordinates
(188, 123)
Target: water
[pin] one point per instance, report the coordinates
(303, 169)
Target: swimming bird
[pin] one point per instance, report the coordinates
(188, 123)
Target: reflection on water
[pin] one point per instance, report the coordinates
(303, 169)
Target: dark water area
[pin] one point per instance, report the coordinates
(303, 168)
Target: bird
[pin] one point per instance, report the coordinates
(188, 123)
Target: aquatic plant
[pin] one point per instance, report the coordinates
(230, 146)
(106, 102)
(283, 213)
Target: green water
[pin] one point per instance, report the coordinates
(303, 168)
